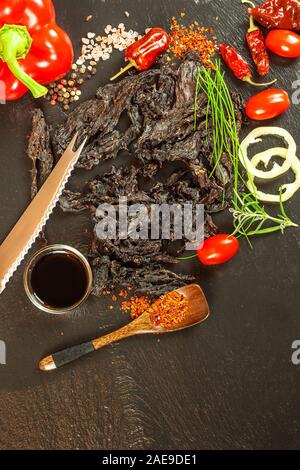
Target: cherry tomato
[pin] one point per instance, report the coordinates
(218, 249)
(268, 104)
(284, 43)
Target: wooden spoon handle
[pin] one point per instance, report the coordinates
(68, 355)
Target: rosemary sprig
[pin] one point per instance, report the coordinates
(249, 216)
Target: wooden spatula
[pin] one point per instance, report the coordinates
(198, 312)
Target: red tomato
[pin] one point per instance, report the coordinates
(284, 43)
(218, 249)
(268, 104)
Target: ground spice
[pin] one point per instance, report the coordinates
(136, 306)
(193, 38)
(169, 311)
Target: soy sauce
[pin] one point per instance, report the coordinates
(59, 280)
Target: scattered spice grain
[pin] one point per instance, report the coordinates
(193, 38)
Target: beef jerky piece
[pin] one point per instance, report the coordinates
(39, 151)
(107, 146)
(177, 125)
(106, 189)
(135, 116)
(186, 83)
(151, 280)
(186, 150)
(150, 170)
(156, 101)
(118, 182)
(101, 115)
(135, 252)
(101, 271)
(201, 177)
(101, 149)
(210, 229)
(72, 202)
(175, 177)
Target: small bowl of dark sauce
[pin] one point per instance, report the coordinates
(58, 279)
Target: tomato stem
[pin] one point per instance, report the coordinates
(187, 258)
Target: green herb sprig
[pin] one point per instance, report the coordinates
(249, 216)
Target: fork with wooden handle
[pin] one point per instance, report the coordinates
(198, 312)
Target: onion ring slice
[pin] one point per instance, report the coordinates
(288, 190)
(277, 170)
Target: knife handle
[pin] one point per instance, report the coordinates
(66, 356)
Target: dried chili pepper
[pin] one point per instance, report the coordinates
(238, 65)
(33, 48)
(257, 46)
(143, 53)
(283, 14)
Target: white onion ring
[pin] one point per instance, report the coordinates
(288, 189)
(277, 170)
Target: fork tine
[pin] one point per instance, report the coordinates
(79, 150)
(72, 143)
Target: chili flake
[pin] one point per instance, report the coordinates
(193, 38)
(136, 306)
(169, 311)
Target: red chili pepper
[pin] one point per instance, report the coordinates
(267, 104)
(284, 43)
(218, 249)
(257, 46)
(238, 65)
(33, 49)
(143, 53)
(283, 14)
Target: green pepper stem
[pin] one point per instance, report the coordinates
(131, 64)
(15, 43)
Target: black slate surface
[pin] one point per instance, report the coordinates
(229, 383)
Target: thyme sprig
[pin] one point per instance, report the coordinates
(249, 216)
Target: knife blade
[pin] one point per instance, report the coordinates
(27, 229)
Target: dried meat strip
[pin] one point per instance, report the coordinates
(39, 151)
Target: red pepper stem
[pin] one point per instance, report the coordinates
(131, 64)
(15, 43)
(252, 26)
(249, 80)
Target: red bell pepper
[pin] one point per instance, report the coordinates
(33, 49)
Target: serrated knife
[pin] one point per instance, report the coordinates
(23, 235)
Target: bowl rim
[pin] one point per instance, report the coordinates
(53, 249)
